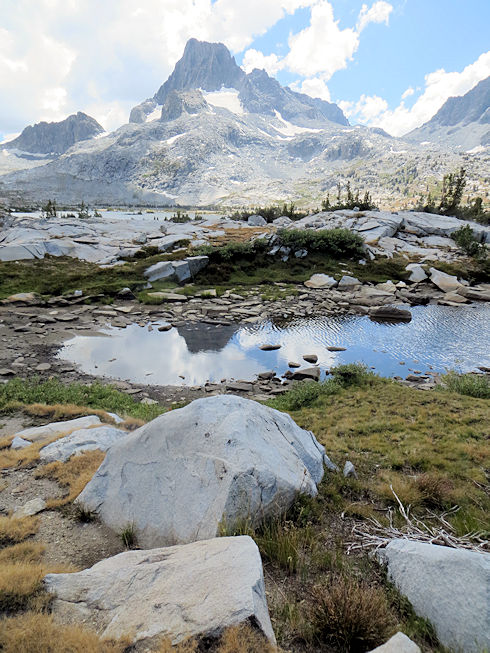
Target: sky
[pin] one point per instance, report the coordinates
(389, 64)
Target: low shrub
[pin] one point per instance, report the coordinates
(351, 615)
(128, 536)
(337, 243)
(467, 241)
(473, 385)
(304, 393)
(351, 374)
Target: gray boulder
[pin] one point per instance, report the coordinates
(162, 270)
(38, 433)
(256, 221)
(180, 591)
(197, 263)
(447, 586)
(30, 508)
(182, 271)
(320, 281)
(306, 374)
(216, 462)
(417, 272)
(348, 283)
(101, 437)
(399, 643)
(445, 282)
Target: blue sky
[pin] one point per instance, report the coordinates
(389, 63)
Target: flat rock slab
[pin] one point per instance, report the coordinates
(390, 314)
(218, 461)
(196, 589)
(99, 437)
(37, 433)
(447, 586)
(30, 508)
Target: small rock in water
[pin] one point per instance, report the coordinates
(309, 373)
(310, 358)
(266, 375)
(293, 364)
(336, 348)
(165, 327)
(270, 347)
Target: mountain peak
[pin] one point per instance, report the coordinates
(209, 66)
(56, 137)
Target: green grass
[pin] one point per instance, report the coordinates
(472, 385)
(337, 243)
(429, 445)
(54, 276)
(96, 395)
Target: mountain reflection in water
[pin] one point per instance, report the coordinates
(437, 338)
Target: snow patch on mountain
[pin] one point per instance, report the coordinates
(226, 98)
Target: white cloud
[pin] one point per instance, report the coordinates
(378, 13)
(315, 87)
(323, 47)
(410, 91)
(60, 56)
(439, 86)
(255, 59)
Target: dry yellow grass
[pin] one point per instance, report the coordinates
(245, 639)
(38, 633)
(237, 639)
(58, 412)
(27, 552)
(19, 583)
(73, 475)
(13, 530)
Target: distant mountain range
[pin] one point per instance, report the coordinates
(214, 134)
(461, 121)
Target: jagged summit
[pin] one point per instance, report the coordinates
(56, 137)
(210, 67)
(463, 121)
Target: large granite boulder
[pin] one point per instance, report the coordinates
(180, 591)
(447, 586)
(101, 438)
(217, 462)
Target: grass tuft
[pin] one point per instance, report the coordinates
(25, 552)
(73, 474)
(20, 583)
(14, 531)
(128, 536)
(38, 633)
(472, 385)
(351, 615)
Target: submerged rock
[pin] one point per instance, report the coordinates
(216, 462)
(196, 589)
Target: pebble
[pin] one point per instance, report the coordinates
(270, 347)
(43, 367)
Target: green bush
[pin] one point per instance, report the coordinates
(232, 251)
(351, 374)
(466, 240)
(334, 242)
(473, 385)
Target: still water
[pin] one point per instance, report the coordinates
(437, 338)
